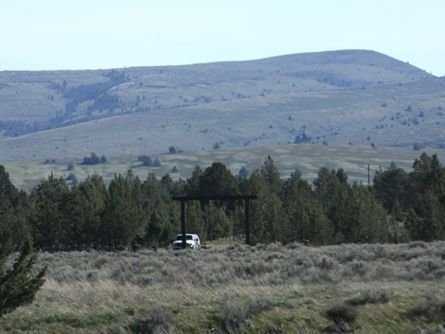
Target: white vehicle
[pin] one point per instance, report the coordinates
(192, 241)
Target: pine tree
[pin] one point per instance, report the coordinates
(13, 226)
(120, 224)
(217, 224)
(17, 284)
(393, 186)
(217, 180)
(7, 188)
(332, 189)
(426, 221)
(266, 212)
(46, 218)
(195, 219)
(193, 187)
(94, 195)
(271, 175)
(306, 220)
(159, 230)
(364, 218)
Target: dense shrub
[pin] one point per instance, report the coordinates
(93, 159)
(431, 308)
(339, 313)
(369, 297)
(155, 321)
(234, 313)
(146, 160)
(242, 265)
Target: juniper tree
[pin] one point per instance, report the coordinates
(17, 284)
(121, 220)
(306, 219)
(46, 219)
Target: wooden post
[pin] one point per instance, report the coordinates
(369, 175)
(247, 221)
(184, 199)
(183, 223)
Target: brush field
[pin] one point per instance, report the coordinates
(240, 289)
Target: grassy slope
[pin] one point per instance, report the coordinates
(94, 292)
(339, 117)
(334, 94)
(307, 158)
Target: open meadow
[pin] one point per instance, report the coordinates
(271, 288)
(307, 158)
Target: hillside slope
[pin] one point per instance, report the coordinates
(349, 96)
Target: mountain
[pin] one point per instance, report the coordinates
(336, 97)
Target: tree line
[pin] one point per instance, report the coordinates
(130, 213)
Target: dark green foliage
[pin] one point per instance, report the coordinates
(332, 188)
(46, 218)
(7, 189)
(93, 159)
(72, 179)
(146, 160)
(302, 138)
(195, 219)
(105, 101)
(17, 284)
(364, 219)
(157, 320)
(78, 225)
(160, 217)
(217, 180)
(344, 312)
(13, 226)
(193, 187)
(14, 209)
(393, 186)
(243, 172)
(416, 200)
(172, 150)
(156, 163)
(122, 218)
(306, 219)
(271, 175)
(129, 213)
(354, 211)
(266, 210)
(431, 308)
(217, 224)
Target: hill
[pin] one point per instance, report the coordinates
(342, 97)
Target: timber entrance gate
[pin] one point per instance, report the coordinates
(185, 199)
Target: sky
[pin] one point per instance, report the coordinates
(92, 34)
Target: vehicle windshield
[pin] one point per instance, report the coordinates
(187, 237)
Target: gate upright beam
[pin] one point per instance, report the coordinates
(247, 221)
(183, 223)
(184, 199)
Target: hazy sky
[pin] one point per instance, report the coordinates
(78, 34)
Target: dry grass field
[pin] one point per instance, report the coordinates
(308, 158)
(239, 289)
